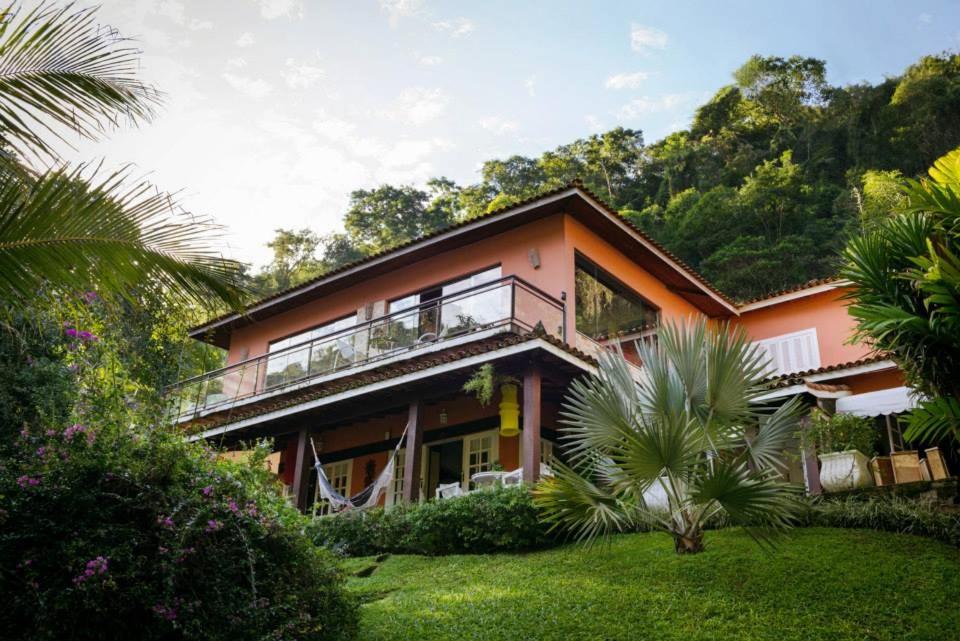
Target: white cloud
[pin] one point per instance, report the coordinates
(397, 9)
(647, 105)
(174, 10)
(273, 9)
(499, 126)
(925, 18)
(593, 123)
(418, 105)
(626, 80)
(255, 88)
(246, 39)
(333, 128)
(428, 61)
(236, 63)
(531, 85)
(199, 25)
(644, 38)
(456, 27)
(301, 75)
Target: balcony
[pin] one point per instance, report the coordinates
(508, 304)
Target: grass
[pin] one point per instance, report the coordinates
(820, 584)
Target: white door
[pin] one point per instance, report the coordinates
(480, 451)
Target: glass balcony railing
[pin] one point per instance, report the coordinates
(509, 303)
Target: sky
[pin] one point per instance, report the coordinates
(275, 110)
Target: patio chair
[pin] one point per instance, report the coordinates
(936, 463)
(449, 490)
(906, 466)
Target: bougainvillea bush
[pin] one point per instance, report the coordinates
(107, 533)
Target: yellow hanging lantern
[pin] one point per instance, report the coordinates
(509, 411)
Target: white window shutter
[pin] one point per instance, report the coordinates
(793, 352)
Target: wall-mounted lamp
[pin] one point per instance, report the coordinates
(443, 416)
(534, 256)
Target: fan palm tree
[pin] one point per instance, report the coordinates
(685, 430)
(906, 294)
(61, 74)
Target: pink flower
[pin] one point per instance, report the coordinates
(41, 451)
(167, 612)
(213, 525)
(73, 430)
(27, 481)
(233, 507)
(95, 567)
(165, 521)
(207, 491)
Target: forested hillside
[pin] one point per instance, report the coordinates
(776, 171)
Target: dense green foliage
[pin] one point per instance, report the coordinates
(681, 446)
(759, 193)
(907, 298)
(841, 432)
(114, 535)
(496, 520)
(827, 585)
(886, 514)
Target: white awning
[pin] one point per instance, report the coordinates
(887, 401)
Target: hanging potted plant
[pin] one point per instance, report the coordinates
(482, 384)
(845, 442)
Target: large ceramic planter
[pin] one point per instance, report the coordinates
(841, 471)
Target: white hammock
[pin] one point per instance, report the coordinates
(368, 496)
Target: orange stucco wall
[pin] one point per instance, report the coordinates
(509, 249)
(826, 312)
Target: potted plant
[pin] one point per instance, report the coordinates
(482, 384)
(845, 443)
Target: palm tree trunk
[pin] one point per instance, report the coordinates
(690, 542)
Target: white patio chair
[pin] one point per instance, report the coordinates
(449, 490)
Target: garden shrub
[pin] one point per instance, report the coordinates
(113, 533)
(493, 520)
(888, 514)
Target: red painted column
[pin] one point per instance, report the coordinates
(411, 463)
(531, 425)
(303, 465)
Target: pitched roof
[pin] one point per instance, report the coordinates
(797, 378)
(815, 284)
(573, 198)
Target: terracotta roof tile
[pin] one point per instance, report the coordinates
(816, 282)
(797, 378)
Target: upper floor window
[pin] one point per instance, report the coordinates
(606, 308)
(791, 353)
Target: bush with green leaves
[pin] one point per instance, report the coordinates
(494, 520)
(888, 514)
(110, 532)
(842, 432)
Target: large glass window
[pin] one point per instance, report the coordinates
(606, 309)
(313, 357)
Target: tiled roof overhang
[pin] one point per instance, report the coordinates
(421, 368)
(573, 199)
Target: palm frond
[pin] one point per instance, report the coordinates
(934, 419)
(77, 229)
(60, 70)
(774, 434)
(760, 502)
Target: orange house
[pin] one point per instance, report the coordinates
(371, 358)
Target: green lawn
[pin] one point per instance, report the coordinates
(821, 584)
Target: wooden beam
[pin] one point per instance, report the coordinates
(301, 470)
(411, 462)
(531, 425)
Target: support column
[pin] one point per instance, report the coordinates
(301, 471)
(808, 453)
(411, 462)
(531, 425)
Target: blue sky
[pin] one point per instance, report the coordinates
(277, 109)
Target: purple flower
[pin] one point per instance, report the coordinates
(167, 612)
(165, 521)
(95, 567)
(213, 525)
(90, 297)
(207, 491)
(51, 432)
(41, 451)
(71, 332)
(73, 430)
(87, 336)
(233, 507)
(28, 481)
